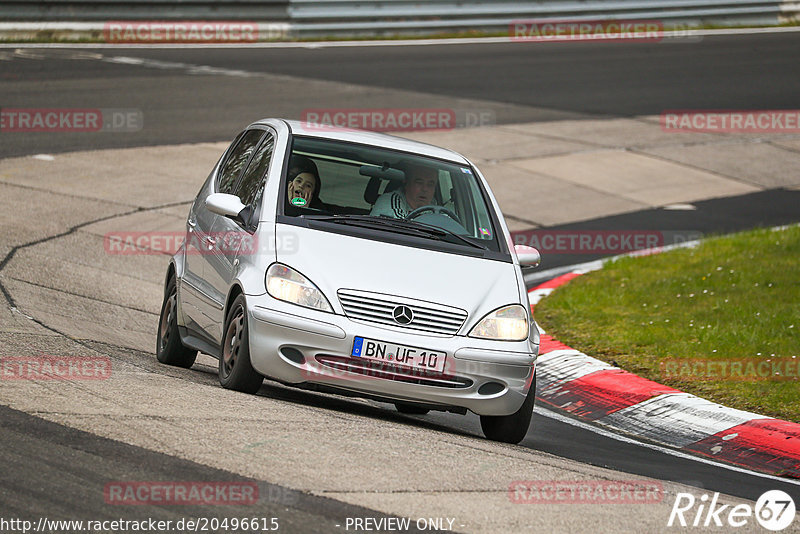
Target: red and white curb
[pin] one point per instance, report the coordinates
(602, 394)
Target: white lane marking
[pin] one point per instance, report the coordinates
(44, 157)
(535, 295)
(189, 68)
(677, 419)
(407, 42)
(549, 274)
(40, 53)
(124, 60)
(563, 366)
(680, 207)
(546, 412)
(81, 56)
(27, 54)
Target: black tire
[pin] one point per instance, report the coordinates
(169, 349)
(235, 370)
(511, 428)
(410, 409)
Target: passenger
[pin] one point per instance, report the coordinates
(417, 191)
(304, 182)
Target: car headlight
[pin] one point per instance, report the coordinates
(509, 323)
(284, 283)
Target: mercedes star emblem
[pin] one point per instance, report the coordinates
(403, 314)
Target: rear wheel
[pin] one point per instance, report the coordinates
(169, 349)
(410, 409)
(235, 370)
(511, 428)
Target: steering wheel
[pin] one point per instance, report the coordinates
(435, 209)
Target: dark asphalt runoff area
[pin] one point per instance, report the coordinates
(519, 82)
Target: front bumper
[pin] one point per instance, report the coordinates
(297, 345)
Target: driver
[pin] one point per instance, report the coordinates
(417, 191)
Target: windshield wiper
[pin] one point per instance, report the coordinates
(427, 230)
(447, 233)
(368, 221)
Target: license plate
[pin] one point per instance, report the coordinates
(400, 355)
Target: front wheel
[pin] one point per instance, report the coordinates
(235, 370)
(511, 428)
(169, 348)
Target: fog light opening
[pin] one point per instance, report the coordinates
(490, 388)
(294, 355)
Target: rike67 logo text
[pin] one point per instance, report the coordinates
(774, 510)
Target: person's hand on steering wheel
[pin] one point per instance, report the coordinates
(434, 209)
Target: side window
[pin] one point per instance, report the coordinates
(251, 183)
(236, 161)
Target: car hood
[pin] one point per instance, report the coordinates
(335, 261)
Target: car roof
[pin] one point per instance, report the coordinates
(371, 138)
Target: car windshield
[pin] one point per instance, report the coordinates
(368, 187)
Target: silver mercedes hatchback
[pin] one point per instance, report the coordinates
(355, 263)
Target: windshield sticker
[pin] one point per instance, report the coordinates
(465, 170)
(485, 232)
(298, 201)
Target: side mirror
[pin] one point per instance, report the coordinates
(226, 205)
(528, 256)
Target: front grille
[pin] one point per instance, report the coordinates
(392, 372)
(379, 308)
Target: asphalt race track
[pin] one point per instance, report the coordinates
(519, 82)
(60, 446)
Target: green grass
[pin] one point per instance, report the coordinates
(732, 298)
